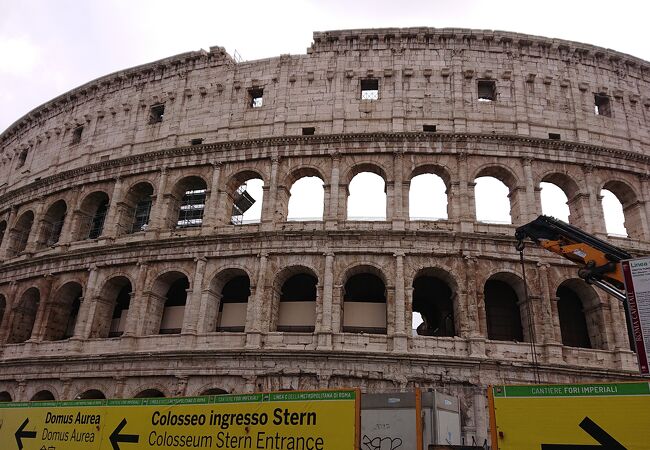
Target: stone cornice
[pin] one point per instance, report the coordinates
(334, 140)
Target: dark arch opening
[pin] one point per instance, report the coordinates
(120, 311)
(297, 309)
(24, 316)
(214, 391)
(190, 193)
(52, 224)
(63, 313)
(42, 396)
(174, 310)
(20, 233)
(92, 215)
(3, 230)
(3, 307)
(364, 304)
(149, 393)
(137, 209)
(432, 298)
(91, 394)
(502, 312)
(233, 304)
(573, 324)
(5, 397)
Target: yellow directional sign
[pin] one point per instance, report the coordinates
(323, 420)
(576, 417)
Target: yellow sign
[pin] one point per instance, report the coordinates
(580, 416)
(323, 420)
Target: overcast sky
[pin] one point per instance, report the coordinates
(49, 47)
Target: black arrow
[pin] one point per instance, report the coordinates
(606, 441)
(116, 437)
(21, 434)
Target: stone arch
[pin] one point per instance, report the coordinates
(364, 300)
(239, 199)
(435, 297)
(91, 215)
(42, 396)
(571, 190)
(63, 309)
(91, 394)
(212, 391)
(134, 210)
(633, 211)
(230, 289)
(5, 396)
(113, 304)
(150, 393)
(187, 201)
(504, 301)
(24, 315)
(505, 176)
(295, 296)
(308, 176)
(356, 195)
(580, 314)
(441, 212)
(19, 234)
(51, 224)
(168, 296)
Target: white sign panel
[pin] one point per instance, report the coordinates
(637, 286)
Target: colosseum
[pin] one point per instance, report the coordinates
(130, 268)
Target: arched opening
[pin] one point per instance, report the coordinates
(613, 213)
(188, 199)
(174, 306)
(554, 201)
(367, 197)
(52, 224)
(112, 309)
(364, 304)
(427, 197)
(63, 313)
(5, 397)
(234, 303)
(580, 314)
(247, 202)
(24, 316)
(492, 200)
(92, 215)
(573, 325)
(502, 311)
(307, 199)
(136, 209)
(19, 235)
(42, 396)
(3, 230)
(297, 308)
(91, 394)
(433, 305)
(214, 391)
(149, 393)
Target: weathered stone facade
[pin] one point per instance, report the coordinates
(158, 129)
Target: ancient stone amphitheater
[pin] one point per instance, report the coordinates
(127, 270)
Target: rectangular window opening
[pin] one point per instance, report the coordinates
(602, 105)
(196, 141)
(156, 114)
(308, 131)
(22, 158)
(370, 89)
(487, 90)
(554, 136)
(76, 134)
(256, 98)
(429, 128)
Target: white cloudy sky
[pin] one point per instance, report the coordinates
(49, 47)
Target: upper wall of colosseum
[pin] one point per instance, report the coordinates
(422, 77)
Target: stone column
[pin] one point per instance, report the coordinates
(396, 207)
(597, 219)
(332, 207)
(87, 308)
(132, 326)
(528, 210)
(400, 336)
(464, 199)
(115, 211)
(4, 247)
(475, 309)
(645, 196)
(325, 327)
(193, 305)
(255, 308)
(7, 318)
(33, 232)
(159, 210)
(213, 210)
(269, 206)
